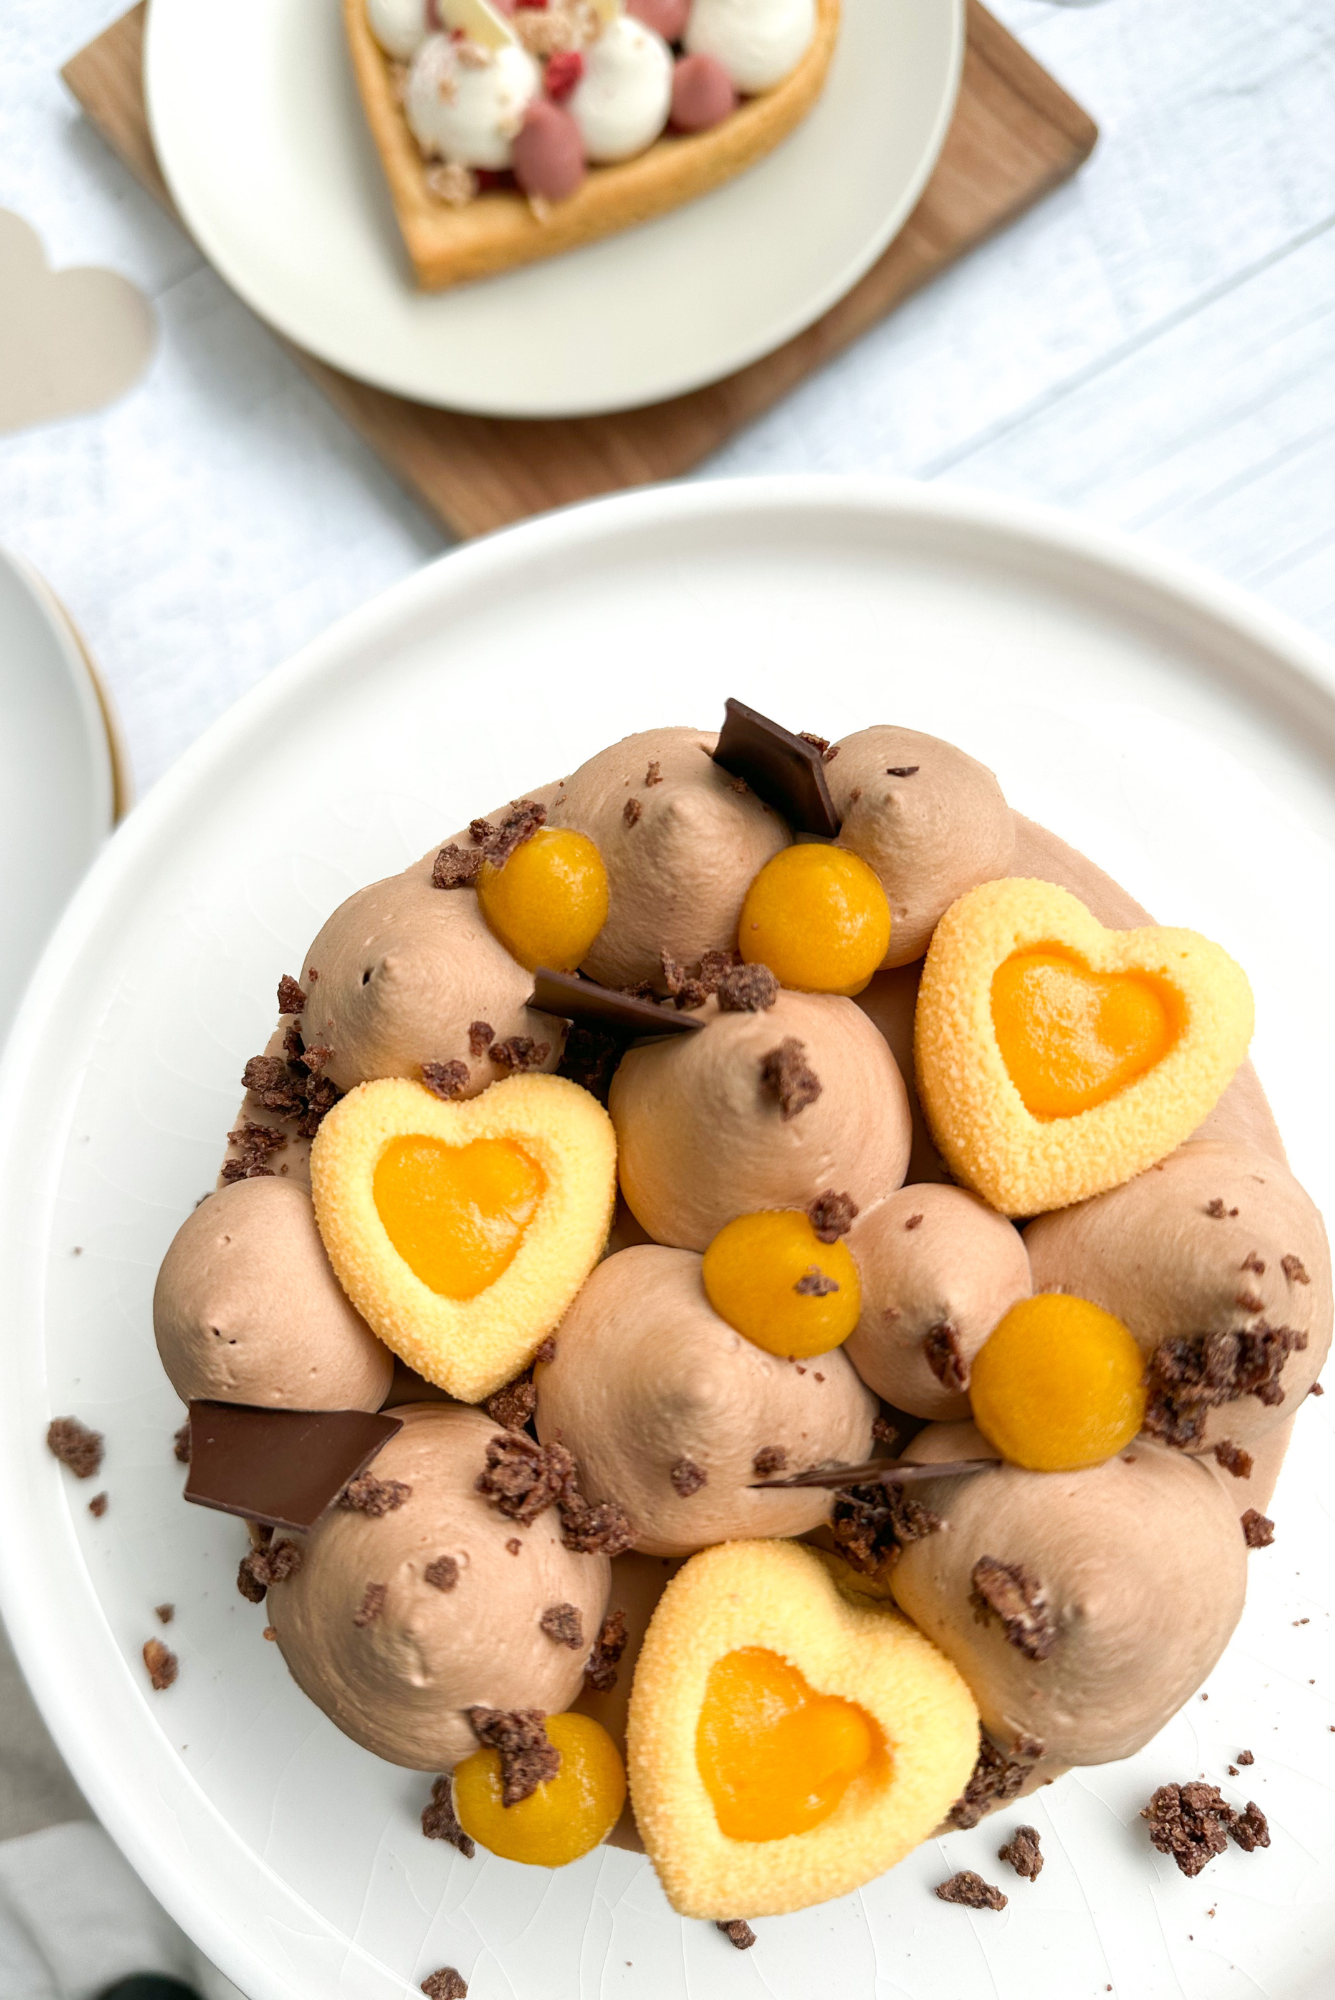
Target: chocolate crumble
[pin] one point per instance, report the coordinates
(1294, 1269)
(275, 1562)
(291, 999)
(1190, 1375)
(563, 1625)
(76, 1446)
(270, 1079)
(1216, 1209)
(632, 811)
(737, 1931)
(514, 1403)
(945, 1357)
(654, 774)
(164, 1613)
(446, 1984)
(1006, 1591)
(520, 1052)
(163, 1665)
(481, 1035)
(98, 1505)
(523, 1478)
(832, 1215)
(1251, 1302)
(994, 1780)
(520, 823)
(181, 1444)
(254, 1145)
(971, 1890)
(747, 989)
(1233, 1458)
(374, 1497)
(1246, 1757)
(914, 1222)
(1253, 1262)
(590, 1057)
(600, 1669)
(373, 1603)
(514, 1547)
(828, 751)
(785, 1072)
(1023, 1853)
(598, 1529)
(1250, 1828)
(771, 1458)
(1257, 1530)
(441, 1822)
(1189, 1822)
(814, 1284)
(442, 1573)
(528, 1759)
(446, 1079)
(686, 990)
(687, 1477)
(871, 1524)
(455, 867)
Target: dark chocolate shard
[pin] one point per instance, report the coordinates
(888, 1471)
(285, 1468)
(571, 998)
(782, 769)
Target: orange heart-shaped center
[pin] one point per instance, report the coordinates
(456, 1214)
(777, 1757)
(1072, 1038)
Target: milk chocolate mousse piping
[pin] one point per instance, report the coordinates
(784, 770)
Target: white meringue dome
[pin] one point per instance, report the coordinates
(400, 26)
(622, 101)
(758, 42)
(469, 111)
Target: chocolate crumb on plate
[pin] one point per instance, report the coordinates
(291, 999)
(1233, 1458)
(373, 1603)
(528, 1758)
(1006, 1591)
(737, 1931)
(446, 1984)
(600, 1669)
(971, 1891)
(519, 1053)
(76, 1446)
(1258, 1530)
(441, 1822)
(787, 1075)
(1246, 1757)
(563, 1625)
(164, 1613)
(687, 1477)
(446, 1079)
(374, 1497)
(815, 1284)
(1023, 1852)
(270, 1632)
(98, 1505)
(456, 867)
(747, 989)
(1250, 1828)
(522, 1478)
(945, 1357)
(163, 1665)
(832, 1215)
(442, 1573)
(1190, 1823)
(771, 1458)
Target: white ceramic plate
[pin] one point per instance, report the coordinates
(260, 133)
(58, 775)
(1175, 730)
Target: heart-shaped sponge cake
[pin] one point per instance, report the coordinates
(462, 1231)
(786, 1743)
(1056, 1058)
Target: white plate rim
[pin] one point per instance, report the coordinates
(1301, 674)
(661, 387)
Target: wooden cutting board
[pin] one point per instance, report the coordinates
(1015, 136)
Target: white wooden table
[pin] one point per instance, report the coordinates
(1154, 347)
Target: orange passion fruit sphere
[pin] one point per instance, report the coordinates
(773, 1280)
(546, 903)
(1058, 1384)
(817, 916)
(563, 1818)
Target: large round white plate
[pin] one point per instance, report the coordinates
(260, 133)
(1174, 730)
(59, 773)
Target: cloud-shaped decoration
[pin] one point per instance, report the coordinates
(70, 341)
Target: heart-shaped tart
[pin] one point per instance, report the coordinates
(785, 1743)
(1056, 1058)
(462, 1231)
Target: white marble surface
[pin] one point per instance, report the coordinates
(1154, 347)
